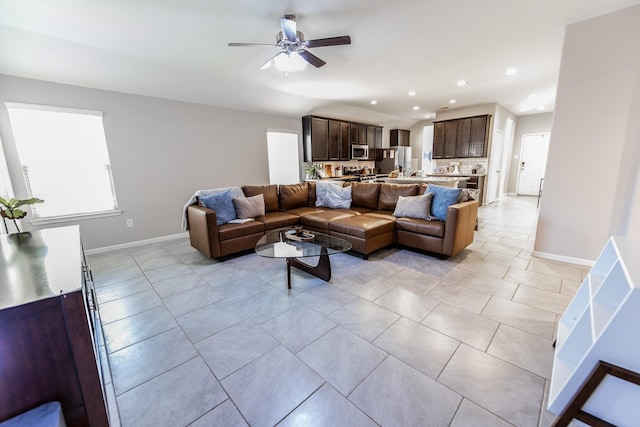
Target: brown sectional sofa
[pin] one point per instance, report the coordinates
(368, 224)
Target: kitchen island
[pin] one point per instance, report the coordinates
(445, 181)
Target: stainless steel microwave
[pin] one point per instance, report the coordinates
(359, 152)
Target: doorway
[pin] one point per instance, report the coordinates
(494, 174)
(533, 162)
(284, 163)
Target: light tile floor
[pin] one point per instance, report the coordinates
(398, 340)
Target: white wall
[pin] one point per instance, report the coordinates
(161, 151)
(534, 123)
(592, 167)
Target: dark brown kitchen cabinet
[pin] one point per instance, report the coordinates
(479, 136)
(461, 138)
(399, 138)
(315, 138)
(325, 139)
(438, 140)
(345, 141)
(450, 139)
(51, 334)
(334, 140)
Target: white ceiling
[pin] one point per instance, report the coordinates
(178, 50)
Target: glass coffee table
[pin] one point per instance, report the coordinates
(286, 243)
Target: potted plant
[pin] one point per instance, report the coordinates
(312, 171)
(9, 209)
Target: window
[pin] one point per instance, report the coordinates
(282, 150)
(64, 159)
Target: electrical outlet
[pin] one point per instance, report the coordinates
(129, 223)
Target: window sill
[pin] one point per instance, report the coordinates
(75, 217)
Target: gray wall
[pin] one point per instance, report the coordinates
(535, 123)
(592, 170)
(161, 151)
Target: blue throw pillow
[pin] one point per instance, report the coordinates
(222, 203)
(443, 197)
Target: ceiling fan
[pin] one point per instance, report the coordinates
(294, 54)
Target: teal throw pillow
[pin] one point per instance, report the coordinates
(443, 197)
(222, 203)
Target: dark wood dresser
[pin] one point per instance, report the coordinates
(50, 331)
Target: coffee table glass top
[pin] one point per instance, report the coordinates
(276, 244)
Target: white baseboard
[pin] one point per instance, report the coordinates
(137, 243)
(567, 259)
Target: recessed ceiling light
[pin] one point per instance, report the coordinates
(427, 116)
(412, 93)
(374, 102)
(511, 71)
(452, 101)
(532, 95)
(416, 108)
(461, 83)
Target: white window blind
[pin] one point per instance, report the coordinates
(64, 159)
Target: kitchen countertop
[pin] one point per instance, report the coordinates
(457, 174)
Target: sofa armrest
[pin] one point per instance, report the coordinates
(459, 227)
(203, 230)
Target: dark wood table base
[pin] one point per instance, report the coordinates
(322, 270)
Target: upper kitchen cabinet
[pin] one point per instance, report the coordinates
(345, 140)
(399, 138)
(461, 138)
(374, 140)
(438, 140)
(334, 140)
(325, 139)
(479, 136)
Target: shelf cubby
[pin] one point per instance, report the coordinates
(600, 324)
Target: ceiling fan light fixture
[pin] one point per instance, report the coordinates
(290, 62)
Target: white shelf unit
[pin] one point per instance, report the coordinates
(602, 322)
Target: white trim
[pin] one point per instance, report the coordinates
(137, 243)
(74, 217)
(39, 107)
(561, 258)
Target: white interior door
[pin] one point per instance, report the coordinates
(494, 176)
(533, 161)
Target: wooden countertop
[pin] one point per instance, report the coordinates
(39, 264)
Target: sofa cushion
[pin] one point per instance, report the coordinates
(293, 196)
(414, 206)
(311, 195)
(365, 194)
(338, 197)
(249, 207)
(443, 197)
(389, 194)
(421, 226)
(222, 204)
(384, 214)
(273, 220)
(320, 221)
(362, 226)
(422, 188)
(232, 231)
(269, 192)
(307, 210)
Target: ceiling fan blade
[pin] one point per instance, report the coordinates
(329, 41)
(249, 44)
(288, 25)
(271, 61)
(311, 58)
